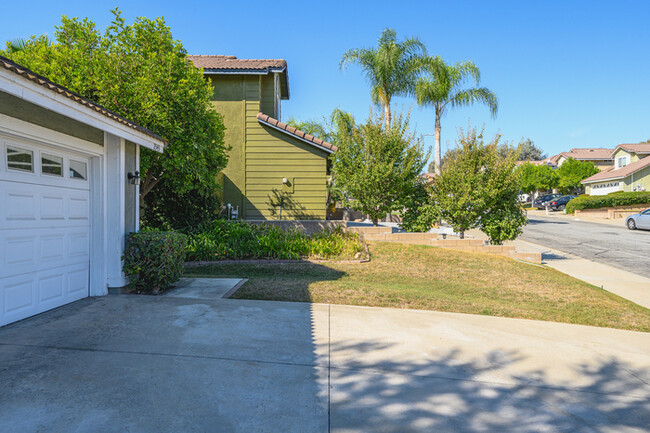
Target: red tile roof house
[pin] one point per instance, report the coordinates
(601, 157)
(274, 171)
(630, 172)
(66, 200)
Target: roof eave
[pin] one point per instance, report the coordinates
(82, 110)
(270, 125)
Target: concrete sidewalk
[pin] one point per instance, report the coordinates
(633, 287)
(202, 363)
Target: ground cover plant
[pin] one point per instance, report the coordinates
(428, 278)
(222, 239)
(609, 200)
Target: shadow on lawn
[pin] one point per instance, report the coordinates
(454, 394)
(273, 281)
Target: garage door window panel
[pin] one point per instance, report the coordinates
(78, 170)
(20, 159)
(51, 165)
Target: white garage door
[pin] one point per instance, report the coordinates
(44, 229)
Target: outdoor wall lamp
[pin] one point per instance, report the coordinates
(285, 181)
(134, 178)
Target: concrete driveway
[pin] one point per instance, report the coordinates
(205, 364)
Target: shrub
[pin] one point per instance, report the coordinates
(241, 240)
(154, 259)
(610, 200)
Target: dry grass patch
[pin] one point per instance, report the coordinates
(428, 278)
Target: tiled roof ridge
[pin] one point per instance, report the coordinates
(621, 172)
(12, 66)
(296, 132)
(221, 62)
(633, 147)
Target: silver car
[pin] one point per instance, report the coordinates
(639, 220)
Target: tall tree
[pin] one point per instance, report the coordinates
(528, 151)
(142, 73)
(572, 172)
(536, 178)
(391, 68)
(479, 188)
(377, 166)
(443, 86)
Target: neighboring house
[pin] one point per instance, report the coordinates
(274, 171)
(601, 157)
(551, 162)
(66, 202)
(630, 172)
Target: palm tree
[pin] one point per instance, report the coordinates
(391, 68)
(442, 87)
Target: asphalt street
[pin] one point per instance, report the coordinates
(615, 246)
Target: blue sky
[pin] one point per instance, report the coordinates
(567, 73)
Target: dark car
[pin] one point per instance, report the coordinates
(560, 203)
(541, 202)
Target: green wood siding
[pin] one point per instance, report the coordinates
(267, 94)
(272, 155)
(260, 156)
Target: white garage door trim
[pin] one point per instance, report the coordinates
(46, 231)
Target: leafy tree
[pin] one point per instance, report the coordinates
(443, 86)
(391, 68)
(312, 127)
(572, 172)
(480, 189)
(528, 151)
(420, 212)
(535, 178)
(377, 166)
(140, 72)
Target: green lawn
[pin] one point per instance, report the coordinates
(427, 278)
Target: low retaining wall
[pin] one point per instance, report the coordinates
(385, 234)
(612, 212)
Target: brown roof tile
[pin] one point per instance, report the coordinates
(634, 147)
(588, 153)
(232, 63)
(610, 173)
(42, 81)
(263, 118)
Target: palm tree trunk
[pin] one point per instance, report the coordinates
(437, 157)
(387, 115)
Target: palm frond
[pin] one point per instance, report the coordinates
(471, 96)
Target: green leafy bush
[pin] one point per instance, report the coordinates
(241, 240)
(610, 200)
(154, 259)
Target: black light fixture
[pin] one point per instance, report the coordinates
(134, 178)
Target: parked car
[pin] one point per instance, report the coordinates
(639, 220)
(560, 203)
(541, 202)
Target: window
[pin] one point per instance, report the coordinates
(78, 170)
(622, 161)
(52, 165)
(20, 159)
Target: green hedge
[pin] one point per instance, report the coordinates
(241, 240)
(153, 260)
(610, 200)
